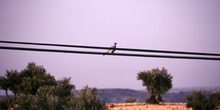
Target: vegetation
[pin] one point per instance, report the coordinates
(157, 82)
(34, 89)
(130, 100)
(4, 105)
(86, 100)
(203, 100)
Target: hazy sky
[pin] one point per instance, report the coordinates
(185, 25)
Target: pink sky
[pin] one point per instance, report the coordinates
(185, 25)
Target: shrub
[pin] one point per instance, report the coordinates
(87, 99)
(35, 89)
(111, 105)
(4, 104)
(203, 100)
(130, 100)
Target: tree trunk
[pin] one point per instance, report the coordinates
(159, 98)
(152, 99)
(8, 98)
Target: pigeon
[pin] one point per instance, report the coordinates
(112, 50)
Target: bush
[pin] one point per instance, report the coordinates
(111, 105)
(203, 100)
(130, 100)
(34, 102)
(4, 104)
(87, 99)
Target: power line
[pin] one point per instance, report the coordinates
(101, 53)
(121, 49)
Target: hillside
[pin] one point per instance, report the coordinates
(120, 95)
(174, 95)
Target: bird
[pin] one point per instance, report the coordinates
(112, 50)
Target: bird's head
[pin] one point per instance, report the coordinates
(115, 43)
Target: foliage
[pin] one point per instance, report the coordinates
(13, 80)
(34, 77)
(4, 84)
(48, 97)
(203, 100)
(157, 82)
(4, 105)
(27, 81)
(41, 102)
(35, 89)
(63, 88)
(87, 99)
(130, 100)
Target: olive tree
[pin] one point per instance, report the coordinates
(35, 88)
(157, 82)
(33, 77)
(4, 84)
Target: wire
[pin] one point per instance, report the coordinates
(101, 53)
(121, 49)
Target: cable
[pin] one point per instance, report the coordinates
(101, 53)
(122, 49)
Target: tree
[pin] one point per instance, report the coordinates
(203, 100)
(9, 82)
(4, 84)
(4, 104)
(33, 77)
(25, 82)
(13, 80)
(64, 88)
(157, 82)
(37, 89)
